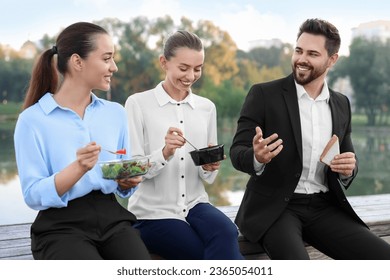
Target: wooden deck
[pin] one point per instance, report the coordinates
(373, 209)
(15, 242)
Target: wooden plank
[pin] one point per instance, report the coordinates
(23, 252)
(5, 244)
(15, 249)
(14, 231)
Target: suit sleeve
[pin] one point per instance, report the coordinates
(347, 146)
(346, 143)
(251, 115)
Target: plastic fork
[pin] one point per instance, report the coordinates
(118, 152)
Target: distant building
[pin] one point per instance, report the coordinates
(267, 44)
(379, 29)
(4, 51)
(28, 50)
(344, 86)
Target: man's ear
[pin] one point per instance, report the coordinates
(333, 59)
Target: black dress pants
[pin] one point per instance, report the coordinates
(92, 227)
(318, 221)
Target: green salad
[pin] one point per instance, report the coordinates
(124, 169)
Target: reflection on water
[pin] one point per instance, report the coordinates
(372, 149)
(13, 210)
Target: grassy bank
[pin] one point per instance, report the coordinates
(8, 114)
(10, 109)
(359, 120)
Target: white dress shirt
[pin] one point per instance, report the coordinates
(316, 128)
(171, 188)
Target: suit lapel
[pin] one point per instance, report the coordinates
(336, 114)
(290, 96)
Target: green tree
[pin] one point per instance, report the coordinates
(137, 70)
(14, 78)
(220, 52)
(160, 29)
(368, 67)
(262, 64)
(275, 56)
(47, 42)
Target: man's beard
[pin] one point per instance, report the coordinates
(303, 79)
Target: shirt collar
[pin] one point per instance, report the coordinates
(48, 104)
(163, 97)
(324, 95)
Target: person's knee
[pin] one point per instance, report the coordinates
(227, 228)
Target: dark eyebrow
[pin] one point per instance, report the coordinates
(309, 51)
(313, 52)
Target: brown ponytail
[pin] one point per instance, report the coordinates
(44, 78)
(78, 38)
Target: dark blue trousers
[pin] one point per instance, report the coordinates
(206, 234)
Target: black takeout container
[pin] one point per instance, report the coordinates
(208, 155)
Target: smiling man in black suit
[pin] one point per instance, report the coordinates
(284, 126)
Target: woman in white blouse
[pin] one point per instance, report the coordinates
(175, 217)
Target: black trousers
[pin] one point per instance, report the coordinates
(92, 227)
(318, 221)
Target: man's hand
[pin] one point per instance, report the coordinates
(344, 163)
(266, 149)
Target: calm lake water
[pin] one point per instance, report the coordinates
(372, 148)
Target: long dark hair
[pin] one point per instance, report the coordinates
(78, 38)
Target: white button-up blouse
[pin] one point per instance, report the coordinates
(171, 188)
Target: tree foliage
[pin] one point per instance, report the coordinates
(368, 67)
(227, 75)
(14, 78)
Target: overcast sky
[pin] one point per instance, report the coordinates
(245, 20)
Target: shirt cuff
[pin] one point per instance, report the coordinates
(125, 193)
(345, 180)
(258, 166)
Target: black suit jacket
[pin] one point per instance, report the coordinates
(273, 106)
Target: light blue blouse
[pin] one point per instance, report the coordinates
(47, 137)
